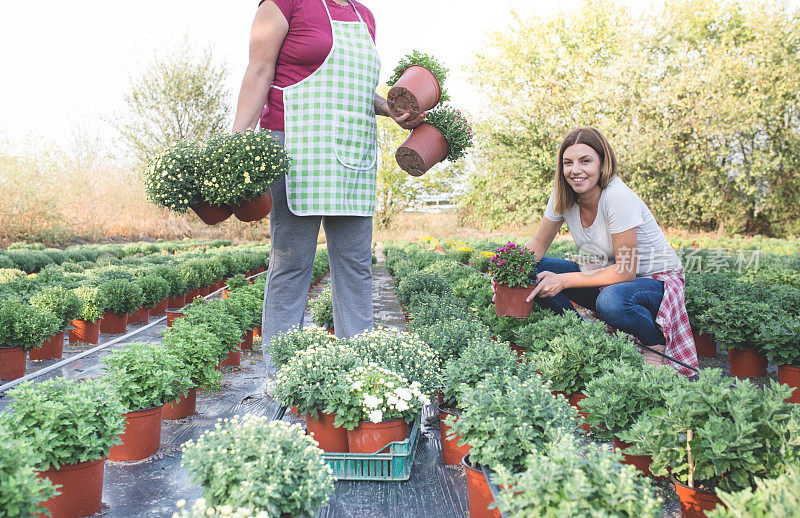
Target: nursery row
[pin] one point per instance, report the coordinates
(30, 258)
(716, 438)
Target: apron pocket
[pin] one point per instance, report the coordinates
(355, 140)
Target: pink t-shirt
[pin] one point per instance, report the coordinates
(306, 46)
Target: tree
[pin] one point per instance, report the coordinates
(181, 95)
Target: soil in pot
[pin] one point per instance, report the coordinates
(424, 148)
(371, 437)
(254, 210)
(247, 341)
(452, 453)
(640, 462)
(747, 363)
(331, 439)
(141, 437)
(695, 502)
(211, 214)
(790, 375)
(705, 345)
(12, 362)
(84, 332)
(113, 323)
(159, 308)
(415, 92)
(480, 496)
(574, 400)
(234, 359)
(52, 348)
(140, 316)
(510, 302)
(185, 406)
(81, 489)
(172, 315)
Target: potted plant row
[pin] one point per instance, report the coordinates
(445, 134)
(230, 174)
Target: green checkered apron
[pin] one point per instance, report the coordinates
(331, 130)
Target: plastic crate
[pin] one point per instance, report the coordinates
(391, 463)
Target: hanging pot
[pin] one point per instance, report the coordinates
(212, 214)
(331, 439)
(247, 341)
(370, 437)
(452, 453)
(424, 148)
(415, 92)
(705, 345)
(160, 308)
(140, 316)
(185, 406)
(478, 492)
(81, 490)
(254, 210)
(510, 302)
(747, 363)
(233, 359)
(84, 332)
(574, 400)
(113, 323)
(695, 502)
(12, 362)
(790, 375)
(52, 348)
(142, 435)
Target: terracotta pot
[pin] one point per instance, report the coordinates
(160, 308)
(695, 502)
(142, 435)
(140, 316)
(424, 148)
(705, 345)
(254, 210)
(640, 462)
(480, 496)
(574, 400)
(225, 294)
(452, 453)
(204, 291)
(415, 92)
(257, 332)
(173, 315)
(178, 301)
(191, 295)
(747, 363)
(12, 362)
(247, 341)
(212, 214)
(185, 406)
(81, 489)
(84, 332)
(293, 410)
(331, 331)
(510, 302)
(52, 348)
(234, 359)
(371, 437)
(113, 323)
(790, 375)
(331, 439)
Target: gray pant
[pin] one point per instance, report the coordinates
(294, 242)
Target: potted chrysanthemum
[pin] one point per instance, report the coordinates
(66, 306)
(445, 134)
(512, 267)
(22, 327)
(416, 85)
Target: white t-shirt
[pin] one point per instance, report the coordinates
(618, 210)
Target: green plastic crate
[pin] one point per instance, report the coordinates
(391, 463)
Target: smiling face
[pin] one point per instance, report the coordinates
(582, 166)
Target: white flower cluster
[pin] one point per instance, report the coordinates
(201, 510)
(383, 393)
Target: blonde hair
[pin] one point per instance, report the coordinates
(564, 196)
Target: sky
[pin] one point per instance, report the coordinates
(67, 65)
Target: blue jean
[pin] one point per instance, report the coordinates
(631, 307)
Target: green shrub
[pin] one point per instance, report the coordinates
(450, 337)
(418, 283)
(430, 308)
(506, 328)
(72, 268)
(237, 281)
(448, 270)
(475, 290)
(154, 290)
(26, 326)
(6, 262)
(212, 315)
(173, 278)
(198, 349)
(507, 418)
(92, 303)
(734, 321)
(66, 421)
(536, 336)
(120, 296)
(285, 346)
(146, 375)
(61, 302)
(10, 274)
(322, 309)
(771, 497)
(21, 491)
(779, 337)
(261, 465)
(566, 479)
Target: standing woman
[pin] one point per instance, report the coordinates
(311, 82)
(636, 282)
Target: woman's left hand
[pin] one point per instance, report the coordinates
(548, 284)
(404, 122)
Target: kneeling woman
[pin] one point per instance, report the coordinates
(636, 282)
